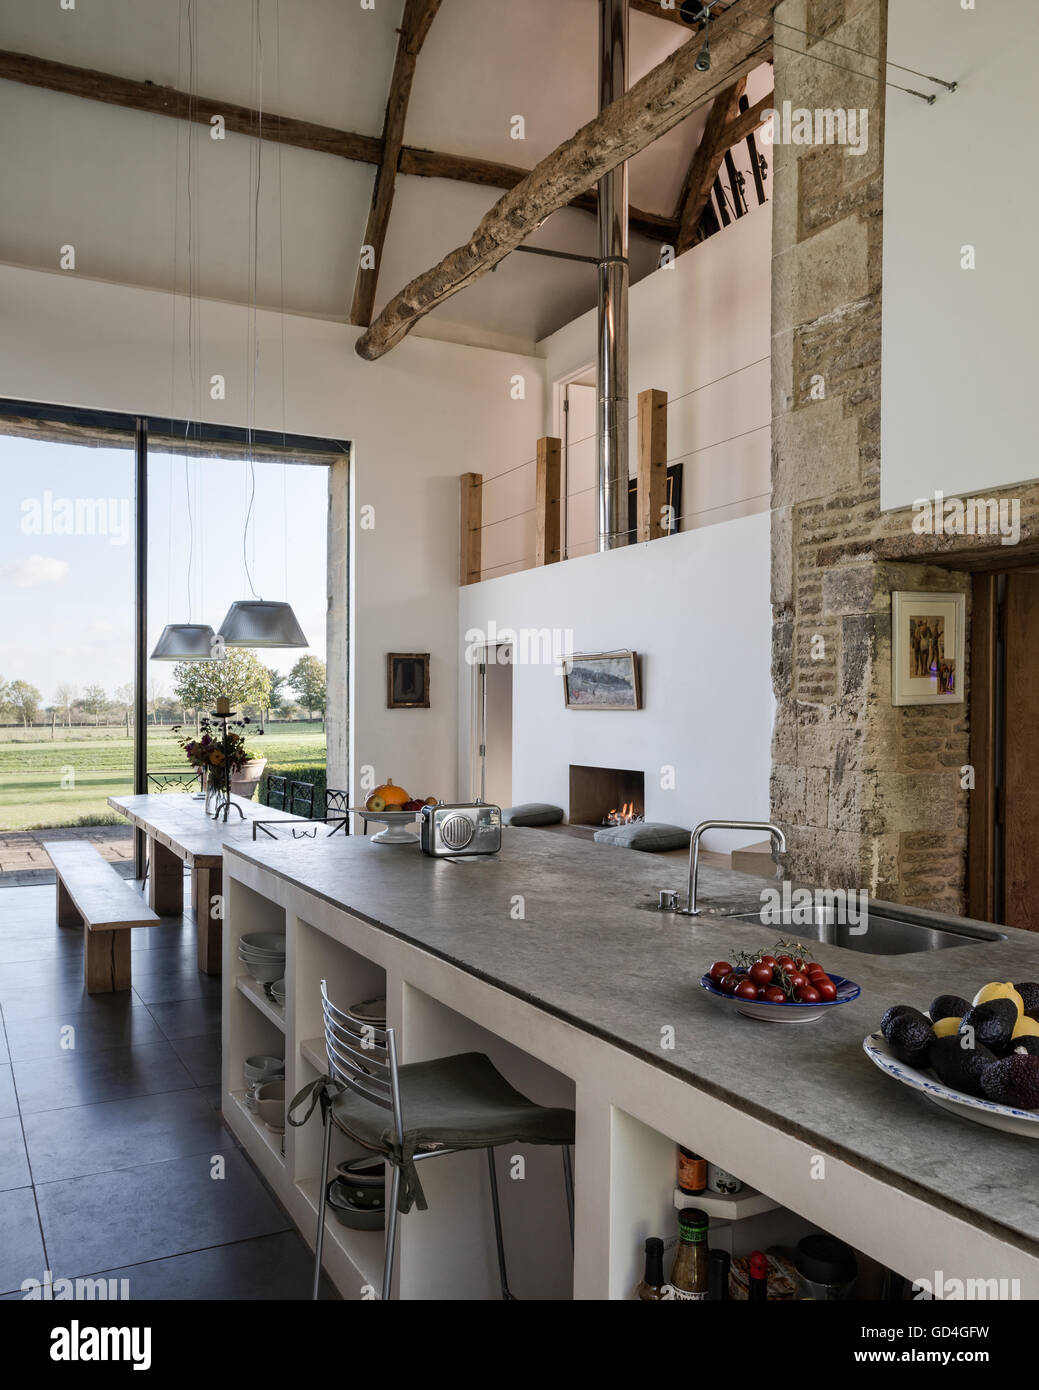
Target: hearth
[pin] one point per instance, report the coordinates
(606, 795)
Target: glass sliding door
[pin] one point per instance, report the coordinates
(67, 635)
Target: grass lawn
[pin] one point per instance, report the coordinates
(99, 763)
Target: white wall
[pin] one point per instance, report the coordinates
(960, 409)
(696, 607)
(699, 331)
(418, 418)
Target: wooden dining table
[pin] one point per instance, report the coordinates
(181, 834)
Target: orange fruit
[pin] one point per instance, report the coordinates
(391, 795)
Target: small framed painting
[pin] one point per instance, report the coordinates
(610, 681)
(928, 642)
(407, 680)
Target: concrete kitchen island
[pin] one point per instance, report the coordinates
(551, 958)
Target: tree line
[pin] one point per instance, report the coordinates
(253, 689)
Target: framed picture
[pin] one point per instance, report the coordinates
(610, 681)
(407, 680)
(672, 499)
(928, 641)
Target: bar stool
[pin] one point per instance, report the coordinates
(337, 805)
(276, 792)
(418, 1111)
(301, 799)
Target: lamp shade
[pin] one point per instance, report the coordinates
(261, 623)
(185, 642)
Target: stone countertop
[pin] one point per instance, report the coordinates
(592, 949)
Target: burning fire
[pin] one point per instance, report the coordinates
(625, 816)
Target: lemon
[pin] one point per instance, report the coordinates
(997, 989)
(947, 1027)
(1025, 1028)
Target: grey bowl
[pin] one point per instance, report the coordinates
(358, 1218)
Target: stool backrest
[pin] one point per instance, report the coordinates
(336, 806)
(364, 1058)
(276, 788)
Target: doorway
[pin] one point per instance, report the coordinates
(492, 763)
(1004, 806)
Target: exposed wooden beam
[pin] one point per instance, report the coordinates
(367, 149)
(418, 16)
(429, 164)
(666, 95)
(747, 122)
(168, 101)
(651, 473)
(705, 163)
(547, 501)
(471, 528)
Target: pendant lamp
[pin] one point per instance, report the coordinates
(186, 641)
(261, 623)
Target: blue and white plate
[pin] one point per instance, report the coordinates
(976, 1108)
(787, 1012)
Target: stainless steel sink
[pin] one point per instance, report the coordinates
(891, 930)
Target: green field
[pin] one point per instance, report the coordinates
(99, 763)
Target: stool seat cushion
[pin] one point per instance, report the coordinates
(460, 1102)
(532, 813)
(651, 836)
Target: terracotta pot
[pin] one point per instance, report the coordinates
(243, 782)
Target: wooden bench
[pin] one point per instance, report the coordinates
(92, 895)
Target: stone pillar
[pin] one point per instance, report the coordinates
(868, 793)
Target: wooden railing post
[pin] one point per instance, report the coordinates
(471, 528)
(547, 533)
(652, 465)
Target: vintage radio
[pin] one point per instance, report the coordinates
(465, 828)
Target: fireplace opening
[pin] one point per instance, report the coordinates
(606, 796)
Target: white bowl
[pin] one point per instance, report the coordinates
(260, 1068)
(269, 941)
(266, 974)
(270, 1104)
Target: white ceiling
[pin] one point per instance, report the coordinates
(150, 201)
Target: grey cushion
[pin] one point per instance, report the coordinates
(532, 813)
(646, 834)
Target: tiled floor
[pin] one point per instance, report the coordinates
(114, 1159)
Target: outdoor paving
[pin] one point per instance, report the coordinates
(22, 852)
(107, 1147)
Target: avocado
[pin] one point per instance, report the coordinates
(894, 1012)
(1028, 1047)
(1013, 1080)
(948, 1006)
(993, 1023)
(1029, 993)
(960, 1067)
(910, 1037)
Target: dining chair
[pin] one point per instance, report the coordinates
(419, 1111)
(337, 805)
(301, 799)
(276, 792)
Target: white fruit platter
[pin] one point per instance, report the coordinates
(396, 823)
(976, 1108)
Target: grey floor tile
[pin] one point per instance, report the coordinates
(14, 1166)
(187, 1018)
(213, 1095)
(21, 1250)
(120, 1134)
(270, 1267)
(5, 1055)
(8, 1100)
(96, 1031)
(59, 996)
(169, 986)
(44, 970)
(201, 1057)
(113, 1219)
(92, 1077)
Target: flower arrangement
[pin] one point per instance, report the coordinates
(206, 750)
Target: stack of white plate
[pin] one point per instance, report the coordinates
(277, 991)
(263, 954)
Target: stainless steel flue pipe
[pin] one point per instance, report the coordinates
(611, 372)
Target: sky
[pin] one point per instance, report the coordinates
(67, 556)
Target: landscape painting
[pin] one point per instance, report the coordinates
(610, 681)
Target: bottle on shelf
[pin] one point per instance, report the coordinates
(757, 1277)
(718, 1262)
(650, 1288)
(692, 1172)
(689, 1273)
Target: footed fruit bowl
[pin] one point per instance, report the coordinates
(790, 1010)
